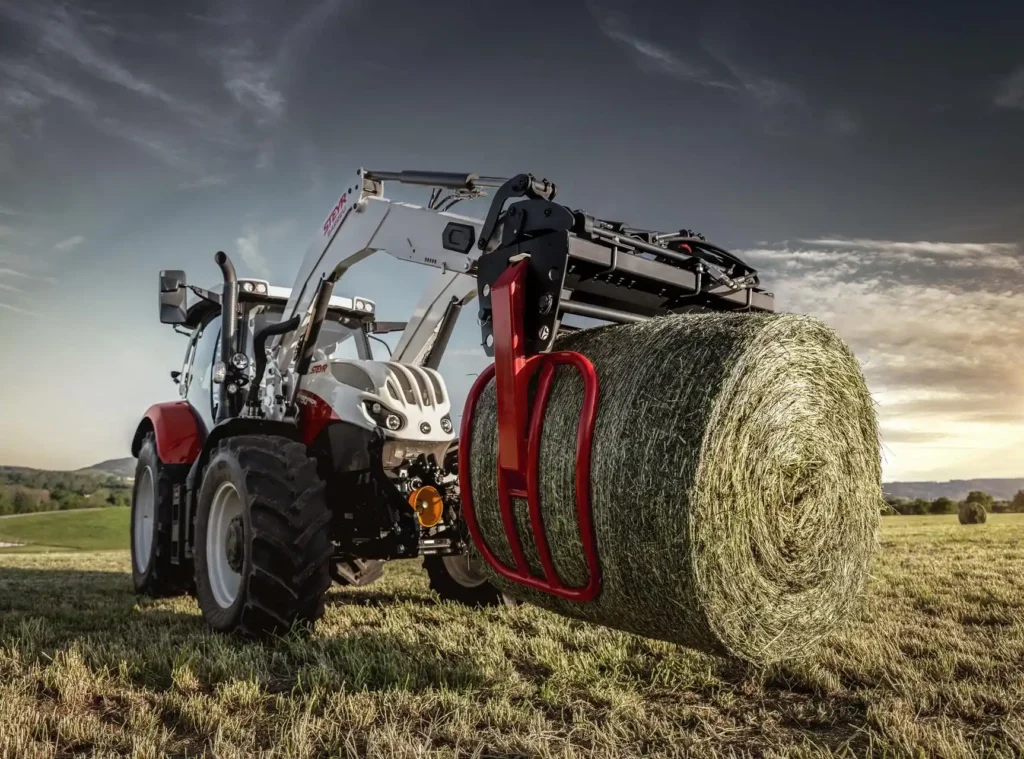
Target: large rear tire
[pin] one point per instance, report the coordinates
(262, 538)
(459, 579)
(153, 574)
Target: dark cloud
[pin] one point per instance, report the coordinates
(1010, 93)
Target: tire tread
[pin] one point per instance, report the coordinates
(164, 579)
(290, 521)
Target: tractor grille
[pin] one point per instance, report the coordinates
(414, 385)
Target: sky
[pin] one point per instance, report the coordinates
(867, 157)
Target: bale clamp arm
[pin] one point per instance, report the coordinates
(519, 443)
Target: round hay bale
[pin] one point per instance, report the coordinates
(736, 482)
(971, 513)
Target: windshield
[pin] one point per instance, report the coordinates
(340, 338)
(338, 341)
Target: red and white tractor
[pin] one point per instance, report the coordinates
(295, 456)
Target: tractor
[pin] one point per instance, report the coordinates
(298, 455)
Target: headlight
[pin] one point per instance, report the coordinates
(446, 425)
(261, 288)
(240, 361)
(384, 416)
(248, 287)
(220, 371)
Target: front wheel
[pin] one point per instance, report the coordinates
(262, 541)
(461, 579)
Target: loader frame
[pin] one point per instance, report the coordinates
(530, 264)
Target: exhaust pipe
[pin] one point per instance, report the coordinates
(228, 327)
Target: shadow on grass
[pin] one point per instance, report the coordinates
(161, 644)
(373, 597)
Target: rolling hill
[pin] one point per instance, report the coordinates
(116, 467)
(1000, 489)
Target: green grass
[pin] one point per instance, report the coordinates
(93, 530)
(931, 666)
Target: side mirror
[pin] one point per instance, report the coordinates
(173, 297)
(383, 328)
(176, 377)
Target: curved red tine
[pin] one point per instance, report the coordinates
(519, 448)
(540, 539)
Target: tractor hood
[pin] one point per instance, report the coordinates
(373, 393)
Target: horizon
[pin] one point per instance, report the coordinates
(875, 187)
(96, 464)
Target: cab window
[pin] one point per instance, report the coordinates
(186, 365)
(341, 338)
(200, 392)
(339, 342)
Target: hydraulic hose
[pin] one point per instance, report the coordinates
(260, 359)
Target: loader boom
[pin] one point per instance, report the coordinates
(579, 265)
(360, 224)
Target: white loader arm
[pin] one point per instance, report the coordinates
(448, 291)
(363, 222)
(585, 267)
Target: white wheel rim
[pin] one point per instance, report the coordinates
(145, 512)
(224, 580)
(465, 570)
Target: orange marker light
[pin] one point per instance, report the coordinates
(428, 505)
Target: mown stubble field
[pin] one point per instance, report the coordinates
(932, 666)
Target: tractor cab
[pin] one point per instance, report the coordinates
(196, 313)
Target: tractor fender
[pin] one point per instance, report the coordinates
(230, 428)
(225, 429)
(179, 439)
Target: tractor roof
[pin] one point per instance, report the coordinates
(201, 301)
(264, 291)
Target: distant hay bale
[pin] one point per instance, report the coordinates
(736, 482)
(971, 513)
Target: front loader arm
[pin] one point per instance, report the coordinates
(578, 265)
(360, 224)
(531, 264)
(427, 331)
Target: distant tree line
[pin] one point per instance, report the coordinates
(943, 505)
(28, 491)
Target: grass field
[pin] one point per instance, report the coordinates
(932, 666)
(88, 530)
